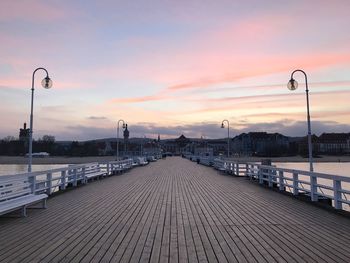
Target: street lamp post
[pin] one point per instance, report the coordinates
(293, 85)
(228, 135)
(46, 83)
(118, 137)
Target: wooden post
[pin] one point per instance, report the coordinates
(237, 169)
(337, 194)
(49, 183)
(313, 188)
(280, 179)
(295, 184)
(246, 170)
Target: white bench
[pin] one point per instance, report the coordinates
(220, 165)
(16, 194)
(83, 173)
(93, 170)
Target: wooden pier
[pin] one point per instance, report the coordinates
(175, 210)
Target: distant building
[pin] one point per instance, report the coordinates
(334, 143)
(151, 148)
(303, 145)
(219, 146)
(260, 144)
(203, 151)
(126, 139)
(176, 146)
(24, 137)
(24, 133)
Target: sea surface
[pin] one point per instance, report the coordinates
(9, 169)
(335, 168)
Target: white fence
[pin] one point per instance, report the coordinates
(58, 179)
(316, 185)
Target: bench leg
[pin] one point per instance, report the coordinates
(44, 204)
(24, 211)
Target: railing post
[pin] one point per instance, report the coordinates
(270, 178)
(260, 175)
(313, 188)
(32, 181)
(280, 180)
(337, 194)
(75, 174)
(295, 184)
(237, 169)
(246, 170)
(63, 180)
(251, 172)
(107, 168)
(84, 180)
(49, 183)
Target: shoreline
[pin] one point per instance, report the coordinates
(79, 160)
(297, 159)
(55, 159)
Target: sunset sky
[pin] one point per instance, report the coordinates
(174, 67)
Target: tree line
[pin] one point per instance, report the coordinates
(12, 146)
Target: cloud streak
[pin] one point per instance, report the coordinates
(171, 63)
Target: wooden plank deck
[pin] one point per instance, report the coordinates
(175, 211)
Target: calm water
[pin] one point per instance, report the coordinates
(329, 168)
(342, 169)
(7, 169)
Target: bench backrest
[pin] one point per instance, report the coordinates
(14, 187)
(92, 168)
(89, 168)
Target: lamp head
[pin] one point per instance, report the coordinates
(46, 83)
(292, 84)
(124, 126)
(222, 125)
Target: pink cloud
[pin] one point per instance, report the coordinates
(137, 99)
(263, 65)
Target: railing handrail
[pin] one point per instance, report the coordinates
(303, 172)
(44, 181)
(36, 173)
(290, 178)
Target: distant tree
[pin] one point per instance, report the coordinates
(11, 146)
(45, 144)
(75, 149)
(9, 138)
(48, 138)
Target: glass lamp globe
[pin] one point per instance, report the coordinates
(46, 83)
(292, 84)
(222, 125)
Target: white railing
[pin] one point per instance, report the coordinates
(113, 167)
(316, 185)
(206, 160)
(54, 180)
(231, 167)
